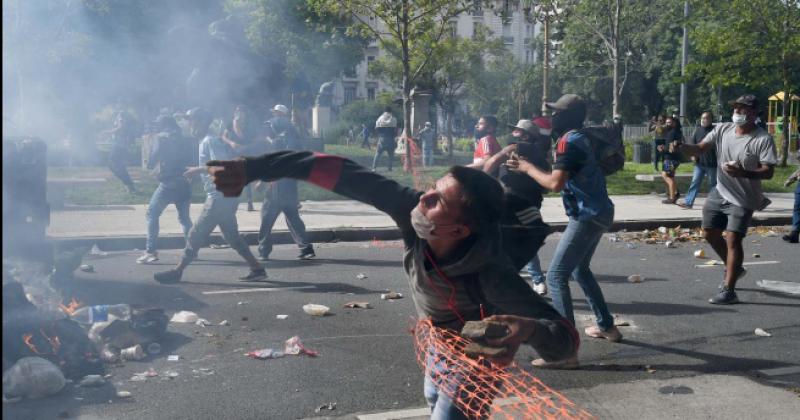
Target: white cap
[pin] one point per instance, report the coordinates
(281, 108)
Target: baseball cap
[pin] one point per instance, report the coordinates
(526, 126)
(281, 108)
(566, 102)
(748, 100)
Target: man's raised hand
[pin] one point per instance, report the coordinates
(229, 176)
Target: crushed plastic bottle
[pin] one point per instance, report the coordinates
(101, 313)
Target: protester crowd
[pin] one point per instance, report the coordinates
(472, 233)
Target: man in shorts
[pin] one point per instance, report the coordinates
(745, 155)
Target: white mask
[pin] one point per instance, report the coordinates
(424, 227)
(739, 119)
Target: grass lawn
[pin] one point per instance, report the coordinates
(113, 193)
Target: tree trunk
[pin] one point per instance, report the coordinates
(406, 87)
(450, 134)
(615, 59)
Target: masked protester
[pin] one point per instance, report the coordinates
(704, 165)
(171, 155)
(522, 226)
(577, 175)
(281, 196)
(217, 211)
(745, 155)
(452, 243)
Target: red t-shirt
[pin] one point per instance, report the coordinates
(486, 147)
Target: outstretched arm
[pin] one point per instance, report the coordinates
(334, 173)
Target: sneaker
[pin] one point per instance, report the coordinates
(147, 258)
(669, 201)
(540, 288)
(724, 297)
(793, 237)
(306, 254)
(612, 334)
(168, 277)
(255, 275)
(683, 205)
(565, 364)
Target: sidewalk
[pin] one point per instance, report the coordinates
(123, 226)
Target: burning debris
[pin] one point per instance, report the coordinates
(45, 336)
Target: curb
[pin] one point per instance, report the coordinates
(354, 234)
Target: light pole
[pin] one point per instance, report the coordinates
(544, 11)
(545, 61)
(684, 59)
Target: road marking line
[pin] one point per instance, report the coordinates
(747, 263)
(788, 370)
(259, 289)
(397, 414)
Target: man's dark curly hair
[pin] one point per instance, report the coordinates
(482, 197)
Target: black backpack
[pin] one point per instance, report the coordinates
(609, 150)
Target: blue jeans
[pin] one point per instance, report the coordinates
(796, 213)
(178, 193)
(697, 178)
(217, 211)
(427, 155)
(270, 211)
(441, 405)
(534, 268)
(573, 256)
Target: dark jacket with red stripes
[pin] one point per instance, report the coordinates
(480, 274)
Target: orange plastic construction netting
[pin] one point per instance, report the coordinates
(482, 390)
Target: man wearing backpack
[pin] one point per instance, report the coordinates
(577, 173)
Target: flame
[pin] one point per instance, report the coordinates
(73, 306)
(55, 343)
(27, 339)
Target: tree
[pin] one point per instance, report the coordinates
(753, 43)
(407, 30)
(311, 48)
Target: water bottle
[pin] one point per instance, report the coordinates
(101, 313)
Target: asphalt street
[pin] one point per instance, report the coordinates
(367, 363)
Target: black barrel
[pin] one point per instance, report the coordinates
(26, 213)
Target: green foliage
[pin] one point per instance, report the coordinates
(313, 48)
(750, 43)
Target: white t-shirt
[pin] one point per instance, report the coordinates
(751, 151)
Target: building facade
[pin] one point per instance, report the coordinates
(517, 34)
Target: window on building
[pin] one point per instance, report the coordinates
(371, 93)
(370, 59)
(477, 8)
(349, 94)
(476, 29)
(350, 72)
(506, 30)
(527, 56)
